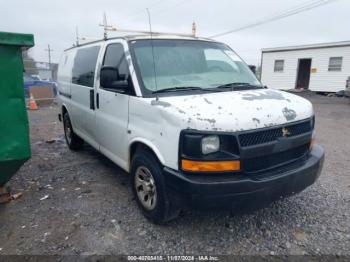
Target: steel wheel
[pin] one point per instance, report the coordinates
(68, 130)
(145, 187)
(74, 142)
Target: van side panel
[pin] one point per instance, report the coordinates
(77, 76)
(64, 78)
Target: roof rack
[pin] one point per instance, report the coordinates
(149, 33)
(109, 28)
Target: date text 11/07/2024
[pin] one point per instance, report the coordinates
(173, 258)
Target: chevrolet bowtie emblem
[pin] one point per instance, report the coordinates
(285, 132)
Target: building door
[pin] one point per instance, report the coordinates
(303, 76)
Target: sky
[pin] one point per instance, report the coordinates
(54, 22)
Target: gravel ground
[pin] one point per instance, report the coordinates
(81, 203)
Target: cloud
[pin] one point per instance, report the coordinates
(54, 22)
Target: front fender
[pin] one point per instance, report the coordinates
(148, 143)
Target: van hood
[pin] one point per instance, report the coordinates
(234, 111)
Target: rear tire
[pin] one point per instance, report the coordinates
(74, 142)
(149, 188)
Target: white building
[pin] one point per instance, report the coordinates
(47, 71)
(319, 67)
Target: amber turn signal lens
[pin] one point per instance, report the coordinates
(210, 166)
(312, 142)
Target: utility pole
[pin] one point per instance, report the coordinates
(77, 36)
(105, 26)
(49, 50)
(194, 29)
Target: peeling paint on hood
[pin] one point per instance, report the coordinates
(157, 102)
(289, 114)
(236, 110)
(266, 94)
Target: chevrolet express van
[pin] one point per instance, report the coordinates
(189, 121)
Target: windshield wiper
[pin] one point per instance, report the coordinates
(239, 86)
(178, 88)
(232, 86)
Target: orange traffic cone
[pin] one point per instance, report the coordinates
(32, 103)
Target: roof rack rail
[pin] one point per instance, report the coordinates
(109, 28)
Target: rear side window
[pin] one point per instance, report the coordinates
(84, 66)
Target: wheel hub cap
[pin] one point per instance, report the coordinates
(145, 187)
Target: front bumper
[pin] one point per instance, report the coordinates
(211, 191)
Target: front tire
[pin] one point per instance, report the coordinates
(149, 188)
(74, 142)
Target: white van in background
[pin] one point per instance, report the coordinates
(189, 121)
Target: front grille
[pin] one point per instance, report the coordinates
(269, 161)
(265, 136)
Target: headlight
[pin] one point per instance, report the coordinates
(210, 144)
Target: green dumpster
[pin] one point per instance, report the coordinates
(14, 129)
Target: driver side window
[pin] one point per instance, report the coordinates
(115, 57)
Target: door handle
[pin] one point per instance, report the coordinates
(92, 100)
(97, 100)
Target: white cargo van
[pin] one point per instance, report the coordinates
(189, 121)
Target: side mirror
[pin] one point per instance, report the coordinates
(110, 79)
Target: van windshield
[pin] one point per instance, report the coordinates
(182, 64)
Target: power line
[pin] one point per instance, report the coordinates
(293, 11)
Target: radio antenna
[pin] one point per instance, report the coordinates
(154, 63)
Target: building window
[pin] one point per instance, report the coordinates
(279, 65)
(335, 63)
